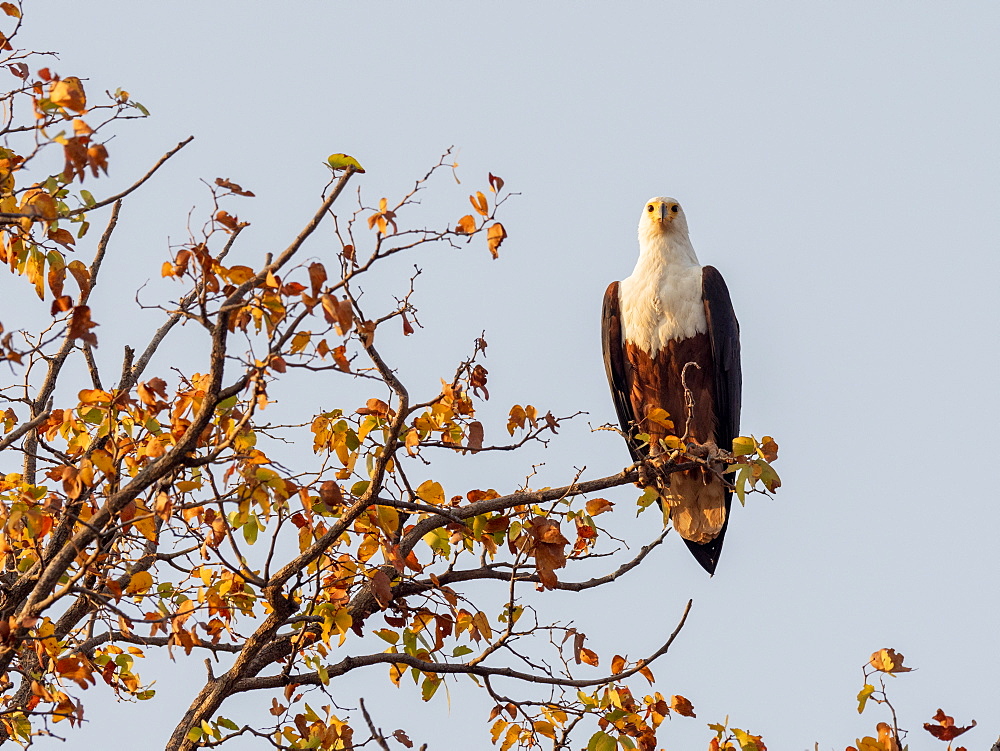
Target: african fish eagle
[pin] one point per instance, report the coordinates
(673, 311)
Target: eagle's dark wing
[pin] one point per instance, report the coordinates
(724, 332)
(616, 366)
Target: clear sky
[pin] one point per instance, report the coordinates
(838, 162)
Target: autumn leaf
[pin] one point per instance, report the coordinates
(480, 204)
(330, 494)
(68, 93)
(97, 158)
(946, 729)
(343, 161)
(232, 187)
(317, 277)
(768, 449)
(747, 741)
(477, 382)
(589, 656)
(229, 221)
(474, 436)
(80, 325)
(660, 417)
(496, 183)
(597, 506)
(548, 548)
(383, 218)
(140, 582)
(381, 588)
(516, 418)
(466, 225)
(888, 661)
(495, 236)
(682, 706)
(431, 492)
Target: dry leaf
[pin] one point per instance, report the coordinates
(495, 236)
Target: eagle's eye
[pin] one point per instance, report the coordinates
(650, 208)
(674, 208)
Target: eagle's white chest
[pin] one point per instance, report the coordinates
(662, 301)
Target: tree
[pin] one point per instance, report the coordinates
(148, 511)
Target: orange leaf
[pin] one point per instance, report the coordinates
(68, 93)
(227, 220)
(97, 158)
(597, 506)
(232, 187)
(480, 204)
(617, 664)
(682, 706)
(495, 236)
(589, 656)
(466, 225)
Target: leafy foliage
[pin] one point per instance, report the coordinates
(150, 511)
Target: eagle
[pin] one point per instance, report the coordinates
(672, 343)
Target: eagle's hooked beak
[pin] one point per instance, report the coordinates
(661, 213)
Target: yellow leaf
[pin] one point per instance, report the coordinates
(69, 93)
(343, 161)
(743, 446)
(300, 340)
(545, 728)
(661, 417)
(431, 491)
(140, 582)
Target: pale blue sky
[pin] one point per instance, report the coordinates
(837, 162)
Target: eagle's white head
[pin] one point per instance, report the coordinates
(663, 230)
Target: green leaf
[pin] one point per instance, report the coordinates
(744, 445)
(429, 688)
(194, 734)
(225, 404)
(343, 161)
(250, 530)
(601, 741)
(88, 198)
(461, 651)
(390, 636)
(741, 484)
